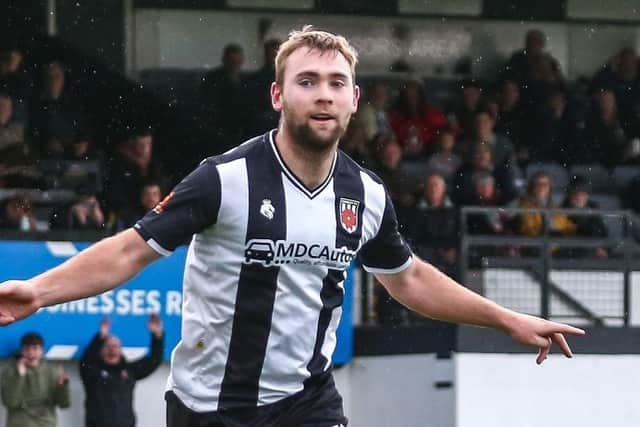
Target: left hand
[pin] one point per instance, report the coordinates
(155, 325)
(63, 378)
(541, 333)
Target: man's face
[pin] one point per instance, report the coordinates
(579, 199)
(32, 354)
(435, 189)
(542, 189)
(151, 196)
(316, 99)
(484, 125)
(111, 351)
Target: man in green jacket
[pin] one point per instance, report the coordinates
(32, 388)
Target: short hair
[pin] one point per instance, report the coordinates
(231, 49)
(31, 338)
(314, 39)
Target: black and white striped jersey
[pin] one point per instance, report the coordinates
(263, 280)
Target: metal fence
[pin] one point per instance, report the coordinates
(582, 279)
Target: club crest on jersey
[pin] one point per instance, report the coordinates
(349, 214)
(266, 209)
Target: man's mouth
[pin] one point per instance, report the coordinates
(322, 117)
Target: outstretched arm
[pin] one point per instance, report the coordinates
(97, 269)
(424, 289)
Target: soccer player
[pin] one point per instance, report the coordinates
(272, 225)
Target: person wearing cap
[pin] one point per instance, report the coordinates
(33, 388)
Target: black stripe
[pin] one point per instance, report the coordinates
(256, 286)
(347, 184)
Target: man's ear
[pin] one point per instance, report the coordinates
(356, 98)
(276, 96)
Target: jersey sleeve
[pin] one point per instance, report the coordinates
(387, 252)
(190, 208)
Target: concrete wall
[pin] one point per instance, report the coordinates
(489, 390)
(195, 39)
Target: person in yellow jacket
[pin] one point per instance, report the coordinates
(538, 196)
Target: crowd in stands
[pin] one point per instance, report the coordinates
(516, 141)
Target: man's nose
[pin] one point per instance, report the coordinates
(324, 93)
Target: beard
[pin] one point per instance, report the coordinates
(306, 137)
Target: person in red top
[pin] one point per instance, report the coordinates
(415, 122)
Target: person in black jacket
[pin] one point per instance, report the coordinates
(109, 378)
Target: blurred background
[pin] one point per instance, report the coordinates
(507, 132)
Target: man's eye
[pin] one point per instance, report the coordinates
(306, 83)
(337, 83)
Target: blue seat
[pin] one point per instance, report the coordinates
(621, 175)
(595, 174)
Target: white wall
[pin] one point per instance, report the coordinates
(499, 390)
(195, 39)
(489, 390)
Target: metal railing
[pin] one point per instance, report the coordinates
(564, 272)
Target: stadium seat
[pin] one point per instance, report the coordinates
(621, 175)
(558, 173)
(595, 174)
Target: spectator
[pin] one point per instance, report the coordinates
(620, 76)
(150, 196)
(17, 213)
(538, 196)
(590, 225)
(356, 145)
(482, 161)
(54, 117)
(13, 149)
(556, 131)
(372, 114)
(605, 140)
(132, 167)
(444, 161)
(485, 194)
(32, 388)
(462, 115)
(265, 117)
(14, 80)
(109, 379)
(483, 133)
(433, 227)
(225, 101)
(84, 214)
(415, 122)
(511, 117)
(388, 166)
(522, 63)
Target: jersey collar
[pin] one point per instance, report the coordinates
(297, 182)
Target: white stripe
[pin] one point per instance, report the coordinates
(297, 305)
(62, 249)
(61, 352)
(156, 247)
(404, 266)
(134, 353)
(374, 200)
(210, 288)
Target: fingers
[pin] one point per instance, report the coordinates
(554, 327)
(562, 343)
(544, 351)
(6, 319)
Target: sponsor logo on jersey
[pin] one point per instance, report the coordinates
(267, 210)
(349, 214)
(269, 253)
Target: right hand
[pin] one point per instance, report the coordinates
(17, 301)
(22, 366)
(105, 327)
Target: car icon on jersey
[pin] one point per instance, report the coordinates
(259, 251)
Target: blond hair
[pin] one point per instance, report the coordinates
(314, 39)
